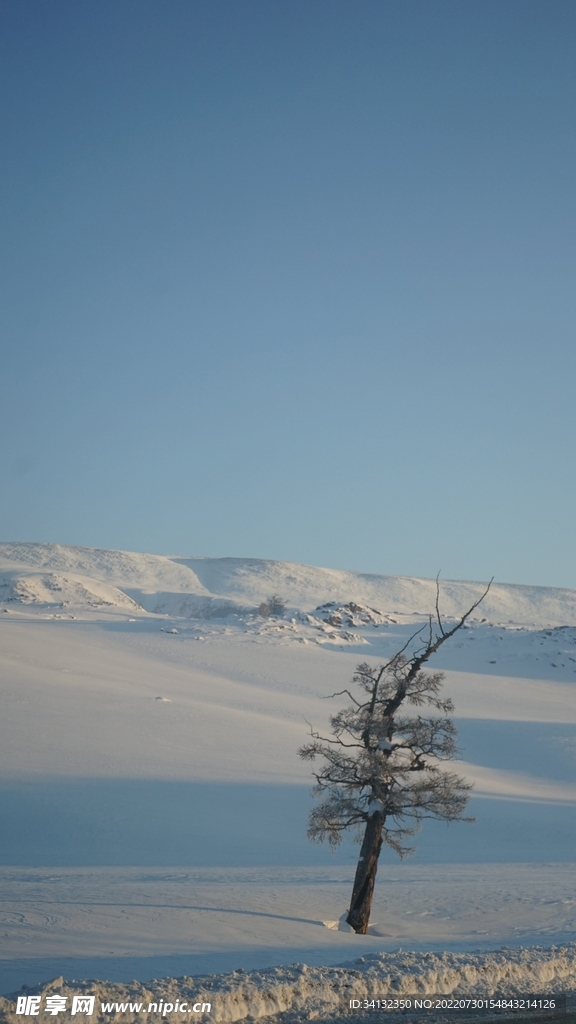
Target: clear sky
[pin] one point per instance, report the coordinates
(292, 279)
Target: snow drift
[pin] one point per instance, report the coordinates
(298, 992)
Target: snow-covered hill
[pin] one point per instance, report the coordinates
(62, 590)
(191, 586)
(118, 568)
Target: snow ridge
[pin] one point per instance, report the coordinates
(299, 993)
(166, 585)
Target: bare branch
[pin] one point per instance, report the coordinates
(339, 694)
(417, 663)
(438, 604)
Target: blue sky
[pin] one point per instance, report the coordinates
(292, 279)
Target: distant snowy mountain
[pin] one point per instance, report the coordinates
(75, 577)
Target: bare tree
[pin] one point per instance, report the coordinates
(381, 772)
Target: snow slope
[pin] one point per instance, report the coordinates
(150, 723)
(118, 568)
(59, 590)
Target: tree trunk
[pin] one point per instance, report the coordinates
(363, 891)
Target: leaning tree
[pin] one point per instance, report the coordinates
(381, 770)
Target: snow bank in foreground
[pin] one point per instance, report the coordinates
(301, 993)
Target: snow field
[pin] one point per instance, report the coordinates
(122, 923)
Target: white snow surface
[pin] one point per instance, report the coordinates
(156, 806)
